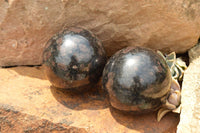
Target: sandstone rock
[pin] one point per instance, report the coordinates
(194, 52)
(14, 121)
(25, 26)
(190, 113)
(29, 103)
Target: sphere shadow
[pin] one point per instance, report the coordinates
(146, 122)
(93, 98)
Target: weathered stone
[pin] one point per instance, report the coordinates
(190, 113)
(25, 26)
(28, 102)
(194, 52)
(12, 121)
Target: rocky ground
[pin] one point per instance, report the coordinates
(28, 102)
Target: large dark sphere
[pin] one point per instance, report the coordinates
(137, 80)
(74, 59)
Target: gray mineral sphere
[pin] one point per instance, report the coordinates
(137, 79)
(74, 59)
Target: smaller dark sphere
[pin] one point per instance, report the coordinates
(137, 80)
(74, 59)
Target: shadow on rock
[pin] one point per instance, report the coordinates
(145, 122)
(34, 72)
(93, 99)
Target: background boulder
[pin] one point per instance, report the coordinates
(26, 26)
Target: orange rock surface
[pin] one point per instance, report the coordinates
(28, 102)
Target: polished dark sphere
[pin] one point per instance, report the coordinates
(137, 80)
(74, 59)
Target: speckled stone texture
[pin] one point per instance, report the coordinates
(28, 102)
(12, 121)
(137, 79)
(74, 59)
(190, 113)
(26, 25)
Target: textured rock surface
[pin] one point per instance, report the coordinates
(29, 99)
(14, 121)
(25, 26)
(190, 113)
(194, 52)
